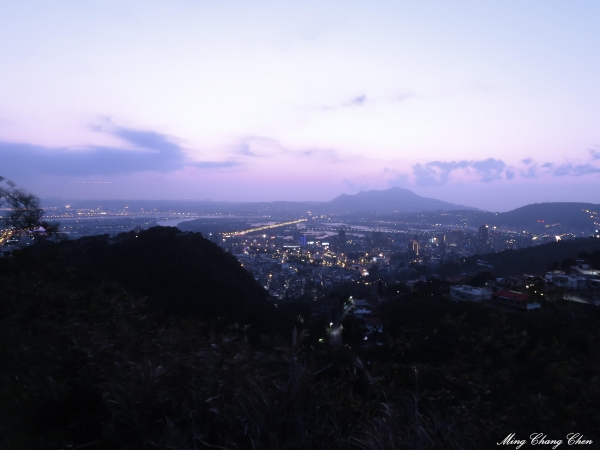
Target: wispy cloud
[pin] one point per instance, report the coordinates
(531, 169)
(154, 152)
(264, 147)
(530, 172)
(491, 169)
(570, 168)
(330, 156)
(261, 147)
(573, 170)
(355, 187)
(362, 100)
(399, 179)
(215, 164)
(354, 102)
(404, 97)
(437, 173)
(358, 101)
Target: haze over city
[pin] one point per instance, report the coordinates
(492, 106)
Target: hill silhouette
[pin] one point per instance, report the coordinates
(183, 274)
(386, 201)
(543, 214)
(84, 362)
(531, 260)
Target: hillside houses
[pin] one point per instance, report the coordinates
(515, 300)
(581, 283)
(468, 293)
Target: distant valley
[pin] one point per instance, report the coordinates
(394, 204)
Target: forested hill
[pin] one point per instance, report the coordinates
(181, 273)
(543, 214)
(85, 363)
(534, 260)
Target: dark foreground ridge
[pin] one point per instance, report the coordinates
(183, 274)
(163, 341)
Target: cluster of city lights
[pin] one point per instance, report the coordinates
(5, 236)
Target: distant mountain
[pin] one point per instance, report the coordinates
(570, 214)
(383, 202)
(387, 201)
(187, 206)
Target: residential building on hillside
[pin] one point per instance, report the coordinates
(468, 293)
(515, 300)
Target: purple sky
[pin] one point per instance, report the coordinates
(489, 104)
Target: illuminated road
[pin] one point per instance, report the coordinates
(266, 227)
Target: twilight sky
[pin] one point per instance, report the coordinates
(490, 104)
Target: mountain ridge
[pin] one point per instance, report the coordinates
(394, 199)
(384, 201)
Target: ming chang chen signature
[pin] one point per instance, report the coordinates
(542, 439)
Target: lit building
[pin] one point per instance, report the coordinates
(415, 247)
(483, 234)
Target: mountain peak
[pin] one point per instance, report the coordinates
(394, 199)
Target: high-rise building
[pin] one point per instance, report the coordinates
(415, 247)
(341, 241)
(496, 240)
(440, 240)
(483, 242)
(456, 239)
(376, 241)
(483, 234)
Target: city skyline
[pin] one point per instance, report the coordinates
(490, 106)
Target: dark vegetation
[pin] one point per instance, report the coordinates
(24, 212)
(91, 357)
(161, 340)
(181, 273)
(93, 354)
(565, 213)
(531, 260)
(504, 371)
(593, 258)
